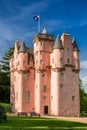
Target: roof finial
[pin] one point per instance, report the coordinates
(44, 30)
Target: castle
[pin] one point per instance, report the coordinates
(46, 78)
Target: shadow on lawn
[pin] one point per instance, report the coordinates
(27, 123)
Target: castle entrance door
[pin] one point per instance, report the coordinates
(45, 109)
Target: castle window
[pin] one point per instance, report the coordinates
(26, 77)
(68, 60)
(43, 75)
(24, 63)
(28, 96)
(41, 52)
(44, 97)
(41, 62)
(61, 59)
(44, 88)
(73, 98)
(36, 52)
(62, 75)
(61, 85)
(52, 60)
(41, 42)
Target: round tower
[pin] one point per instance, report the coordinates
(56, 68)
(57, 57)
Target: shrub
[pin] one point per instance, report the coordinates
(3, 116)
(8, 107)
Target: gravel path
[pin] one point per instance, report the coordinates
(77, 119)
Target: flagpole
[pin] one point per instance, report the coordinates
(39, 24)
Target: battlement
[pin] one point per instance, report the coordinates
(41, 36)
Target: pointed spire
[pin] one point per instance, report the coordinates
(22, 47)
(44, 30)
(75, 46)
(58, 44)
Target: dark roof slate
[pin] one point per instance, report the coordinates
(58, 44)
(22, 47)
(74, 44)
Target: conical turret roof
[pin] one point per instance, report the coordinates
(44, 30)
(75, 46)
(22, 47)
(58, 44)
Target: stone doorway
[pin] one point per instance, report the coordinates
(45, 109)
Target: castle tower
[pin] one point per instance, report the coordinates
(22, 71)
(57, 67)
(43, 44)
(65, 76)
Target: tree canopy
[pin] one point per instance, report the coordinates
(5, 77)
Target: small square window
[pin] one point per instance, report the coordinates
(61, 59)
(41, 52)
(41, 42)
(43, 75)
(41, 62)
(28, 96)
(44, 88)
(62, 75)
(61, 85)
(44, 97)
(73, 98)
(36, 52)
(68, 61)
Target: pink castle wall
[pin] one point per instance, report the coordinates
(42, 78)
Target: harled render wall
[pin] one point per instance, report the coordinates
(61, 100)
(65, 80)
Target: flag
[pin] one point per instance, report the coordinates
(36, 17)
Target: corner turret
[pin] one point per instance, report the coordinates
(58, 44)
(22, 48)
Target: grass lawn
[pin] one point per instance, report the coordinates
(36, 123)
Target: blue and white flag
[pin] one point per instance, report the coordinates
(36, 17)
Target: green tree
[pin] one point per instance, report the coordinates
(83, 100)
(5, 77)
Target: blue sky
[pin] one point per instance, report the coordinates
(16, 23)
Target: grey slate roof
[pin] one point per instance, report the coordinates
(22, 47)
(58, 44)
(74, 44)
